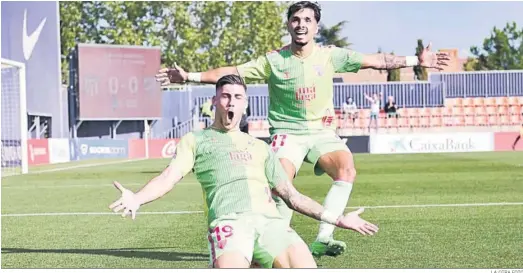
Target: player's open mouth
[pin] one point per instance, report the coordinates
(230, 115)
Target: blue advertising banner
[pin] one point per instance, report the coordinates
(98, 148)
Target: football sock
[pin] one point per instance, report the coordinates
(335, 202)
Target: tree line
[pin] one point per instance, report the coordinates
(201, 35)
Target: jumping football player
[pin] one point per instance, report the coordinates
(301, 110)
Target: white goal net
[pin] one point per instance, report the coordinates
(14, 118)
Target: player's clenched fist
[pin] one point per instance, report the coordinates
(127, 202)
(353, 221)
(167, 76)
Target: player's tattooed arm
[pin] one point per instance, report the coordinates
(313, 209)
(426, 58)
(297, 201)
(383, 61)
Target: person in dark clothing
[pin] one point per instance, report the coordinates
(244, 124)
(391, 108)
(518, 138)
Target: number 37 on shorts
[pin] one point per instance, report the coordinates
(278, 141)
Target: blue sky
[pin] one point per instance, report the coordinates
(395, 26)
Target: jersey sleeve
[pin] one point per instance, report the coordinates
(274, 170)
(345, 60)
(183, 158)
(258, 69)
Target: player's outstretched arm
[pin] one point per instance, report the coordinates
(181, 164)
(157, 187)
(177, 74)
(160, 185)
(305, 205)
(427, 58)
(258, 69)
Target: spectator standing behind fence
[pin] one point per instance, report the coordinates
(375, 106)
(350, 111)
(207, 111)
(390, 107)
(244, 123)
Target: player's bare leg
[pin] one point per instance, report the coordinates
(295, 256)
(339, 165)
(285, 211)
(231, 260)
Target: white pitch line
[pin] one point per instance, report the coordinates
(196, 212)
(442, 205)
(82, 186)
(97, 213)
(79, 166)
(87, 165)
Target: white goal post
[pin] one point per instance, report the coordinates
(14, 118)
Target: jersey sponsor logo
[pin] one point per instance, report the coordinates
(240, 156)
(169, 149)
(306, 93)
(327, 119)
(250, 144)
(319, 70)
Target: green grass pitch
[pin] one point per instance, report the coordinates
(481, 234)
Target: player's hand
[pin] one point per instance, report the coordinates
(127, 202)
(430, 59)
(167, 76)
(353, 221)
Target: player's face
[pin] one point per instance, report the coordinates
(230, 103)
(302, 26)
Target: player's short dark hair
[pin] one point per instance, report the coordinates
(230, 79)
(304, 5)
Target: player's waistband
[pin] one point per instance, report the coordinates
(302, 132)
(241, 214)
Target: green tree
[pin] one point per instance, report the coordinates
(421, 72)
(196, 35)
(503, 50)
(332, 35)
(77, 25)
(129, 23)
(393, 75)
(247, 30)
(202, 35)
(470, 64)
